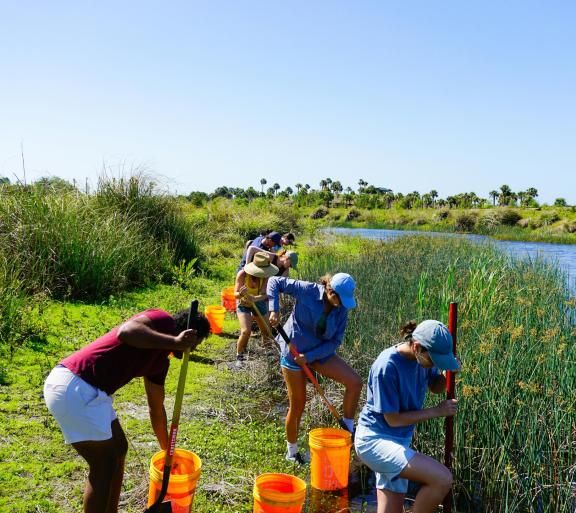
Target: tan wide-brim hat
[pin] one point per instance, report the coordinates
(260, 267)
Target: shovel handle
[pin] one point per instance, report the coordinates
(175, 417)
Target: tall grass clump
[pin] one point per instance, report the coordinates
(139, 199)
(13, 307)
(67, 248)
(516, 424)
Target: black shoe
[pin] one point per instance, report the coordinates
(241, 357)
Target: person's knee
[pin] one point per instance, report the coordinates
(245, 332)
(442, 480)
(354, 384)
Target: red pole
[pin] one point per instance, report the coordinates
(450, 394)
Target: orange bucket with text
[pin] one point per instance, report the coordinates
(330, 458)
(186, 468)
(215, 315)
(228, 299)
(278, 493)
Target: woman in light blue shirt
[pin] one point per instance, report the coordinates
(397, 385)
(316, 328)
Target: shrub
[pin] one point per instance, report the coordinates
(319, 213)
(549, 218)
(441, 215)
(509, 217)
(490, 221)
(465, 222)
(352, 214)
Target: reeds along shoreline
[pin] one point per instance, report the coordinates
(516, 425)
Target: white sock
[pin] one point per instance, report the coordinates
(292, 448)
(349, 423)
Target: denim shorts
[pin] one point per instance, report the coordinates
(286, 363)
(289, 364)
(82, 411)
(261, 305)
(387, 457)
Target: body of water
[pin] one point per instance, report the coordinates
(563, 255)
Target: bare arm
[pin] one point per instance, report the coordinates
(446, 408)
(252, 250)
(438, 385)
(157, 412)
(140, 333)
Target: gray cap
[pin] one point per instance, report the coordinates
(436, 339)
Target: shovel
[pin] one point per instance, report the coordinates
(159, 506)
(305, 367)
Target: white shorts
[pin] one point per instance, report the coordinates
(84, 412)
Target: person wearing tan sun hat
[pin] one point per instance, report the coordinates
(250, 287)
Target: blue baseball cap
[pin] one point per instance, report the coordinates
(343, 284)
(436, 339)
(275, 237)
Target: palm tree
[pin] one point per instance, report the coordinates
(361, 184)
(433, 195)
(493, 195)
(298, 187)
(263, 182)
(505, 195)
(323, 184)
(276, 188)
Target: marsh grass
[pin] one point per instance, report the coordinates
(516, 423)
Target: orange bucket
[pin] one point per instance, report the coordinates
(228, 299)
(215, 315)
(278, 493)
(186, 467)
(330, 462)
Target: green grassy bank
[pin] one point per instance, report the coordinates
(517, 418)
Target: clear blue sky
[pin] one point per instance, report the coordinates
(456, 96)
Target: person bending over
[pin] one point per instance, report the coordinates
(79, 390)
(316, 328)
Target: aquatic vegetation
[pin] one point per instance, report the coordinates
(515, 429)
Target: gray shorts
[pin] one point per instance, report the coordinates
(387, 457)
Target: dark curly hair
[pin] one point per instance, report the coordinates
(199, 323)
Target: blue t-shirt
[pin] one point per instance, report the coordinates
(316, 343)
(395, 385)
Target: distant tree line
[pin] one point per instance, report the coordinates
(332, 193)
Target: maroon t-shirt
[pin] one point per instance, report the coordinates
(108, 364)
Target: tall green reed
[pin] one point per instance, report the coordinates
(516, 424)
(159, 215)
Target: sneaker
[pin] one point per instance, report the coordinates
(241, 357)
(298, 458)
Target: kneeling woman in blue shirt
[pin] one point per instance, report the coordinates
(397, 387)
(316, 328)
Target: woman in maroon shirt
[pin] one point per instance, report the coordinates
(78, 393)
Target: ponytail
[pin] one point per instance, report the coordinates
(407, 330)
